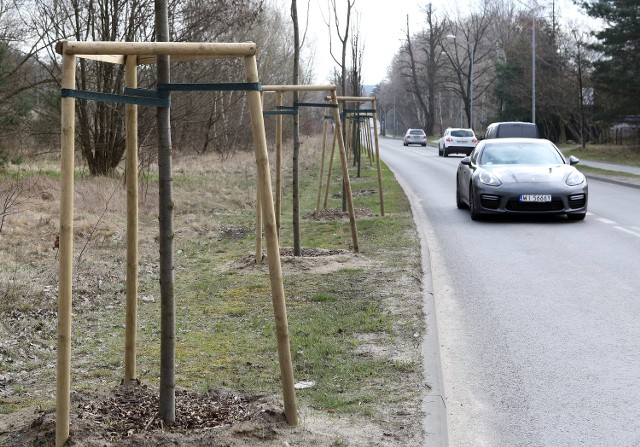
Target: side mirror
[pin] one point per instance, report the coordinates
(466, 161)
(573, 160)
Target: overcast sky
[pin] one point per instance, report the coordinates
(382, 29)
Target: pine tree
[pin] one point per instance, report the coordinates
(617, 73)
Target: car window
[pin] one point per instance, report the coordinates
(517, 130)
(522, 154)
(461, 133)
(474, 156)
(417, 132)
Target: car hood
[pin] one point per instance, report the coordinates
(530, 173)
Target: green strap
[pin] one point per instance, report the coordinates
(128, 98)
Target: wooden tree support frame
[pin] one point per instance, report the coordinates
(331, 102)
(132, 54)
(372, 100)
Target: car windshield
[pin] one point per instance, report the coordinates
(461, 133)
(417, 132)
(521, 154)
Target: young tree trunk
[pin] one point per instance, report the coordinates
(167, 299)
(344, 40)
(297, 251)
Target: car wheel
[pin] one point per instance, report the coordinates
(406, 144)
(459, 203)
(439, 151)
(424, 144)
(444, 152)
(576, 216)
(473, 207)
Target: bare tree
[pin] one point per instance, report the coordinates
(343, 37)
(469, 49)
(99, 126)
(416, 79)
(21, 76)
(355, 79)
(14, 195)
(433, 63)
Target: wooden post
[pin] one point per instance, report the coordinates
(131, 112)
(273, 249)
(371, 99)
(325, 125)
(279, 102)
(367, 129)
(333, 153)
(345, 175)
(259, 208)
(375, 136)
(258, 224)
(63, 373)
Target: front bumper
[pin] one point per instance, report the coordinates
(505, 199)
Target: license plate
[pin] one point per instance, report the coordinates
(535, 198)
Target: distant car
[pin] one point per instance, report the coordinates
(415, 136)
(520, 176)
(457, 141)
(511, 129)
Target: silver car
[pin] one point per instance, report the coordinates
(415, 136)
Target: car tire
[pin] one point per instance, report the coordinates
(406, 144)
(444, 152)
(424, 144)
(459, 203)
(439, 151)
(576, 216)
(473, 207)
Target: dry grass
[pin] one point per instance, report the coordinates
(608, 153)
(352, 318)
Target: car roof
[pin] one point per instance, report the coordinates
(512, 122)
(512, 140)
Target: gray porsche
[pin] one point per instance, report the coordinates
(520, 176)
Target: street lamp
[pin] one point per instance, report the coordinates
(453, 38)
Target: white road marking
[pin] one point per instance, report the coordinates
(626, 230)
(607, 221)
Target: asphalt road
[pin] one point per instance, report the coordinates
(536, 318)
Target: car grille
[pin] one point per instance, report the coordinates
(514, 204)
(489, 201)
(577, 201)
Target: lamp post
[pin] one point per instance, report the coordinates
(532, 9)
(453, 38)
(533, 69)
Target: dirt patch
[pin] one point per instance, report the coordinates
(338, 214)
(312, 260)
(127, 416)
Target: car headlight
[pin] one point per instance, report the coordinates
(575, 178)
(489, 179)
